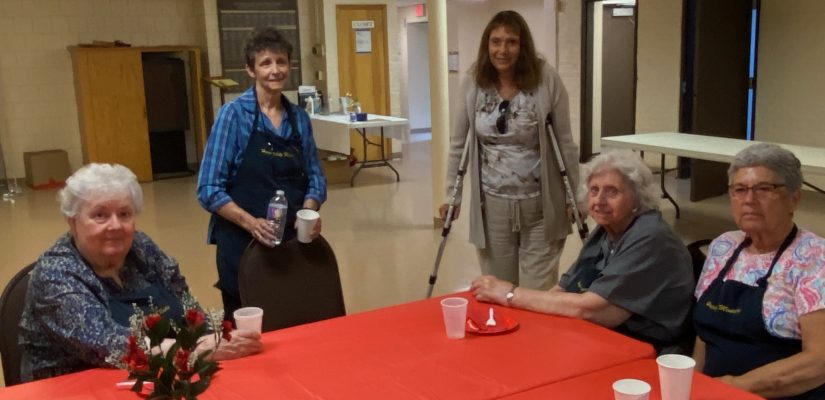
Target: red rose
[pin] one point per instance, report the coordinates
(151, 321)
(135, 359)
(182, 360)
(226, 328)
(194, 317)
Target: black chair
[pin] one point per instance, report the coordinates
(294, 283)
(697, 257)
(11, 309)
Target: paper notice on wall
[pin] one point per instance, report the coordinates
(363, 41)
(452, 61)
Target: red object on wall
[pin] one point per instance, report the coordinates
(419, 10)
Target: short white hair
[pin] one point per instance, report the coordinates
(634, 171)
(99, 182)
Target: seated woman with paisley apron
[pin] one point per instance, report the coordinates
(633, 273)
(760, 310)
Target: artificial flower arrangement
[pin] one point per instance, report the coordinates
(185, 370)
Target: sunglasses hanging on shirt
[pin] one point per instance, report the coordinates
(501, 121)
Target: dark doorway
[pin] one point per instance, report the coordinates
(609, 81)
(718, 66)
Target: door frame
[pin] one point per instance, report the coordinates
(586, 113)
(687, 76)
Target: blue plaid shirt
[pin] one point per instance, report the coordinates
(227, 143)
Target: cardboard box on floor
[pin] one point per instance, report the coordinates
(336, 171)
(46, 169)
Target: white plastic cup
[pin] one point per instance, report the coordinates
(249, 318)
(455, 316)
(631, 389)
(306, 223)
(675, 376)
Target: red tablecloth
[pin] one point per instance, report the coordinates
(599, 385)
(398, 352)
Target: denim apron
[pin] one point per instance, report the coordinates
(728, 318)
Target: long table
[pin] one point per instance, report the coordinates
(709, 148)
(598, 385)
(399, 352)
(331, 133)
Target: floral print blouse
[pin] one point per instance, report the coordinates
(67, 325)
(796, 286)
(510, 161)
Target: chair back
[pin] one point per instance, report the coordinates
(697, 256)
(294, 283)
(11, 309)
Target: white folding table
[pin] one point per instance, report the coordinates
(331, 133)
(709, 148)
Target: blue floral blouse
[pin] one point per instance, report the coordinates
(67, 325)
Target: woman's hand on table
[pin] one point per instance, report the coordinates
(490, 289)
(243, 343)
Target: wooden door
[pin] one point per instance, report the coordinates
(112, 109)
(618, 71)
(363, 73)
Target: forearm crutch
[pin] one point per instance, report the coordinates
(457, 187)
(567, 189)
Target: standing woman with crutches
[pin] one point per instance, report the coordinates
(518, 211)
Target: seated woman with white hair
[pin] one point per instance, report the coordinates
(82, 289)
(633, 273)
(760, 300)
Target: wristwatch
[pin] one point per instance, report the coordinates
(510, 294)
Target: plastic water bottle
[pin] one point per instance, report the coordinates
(276, 215)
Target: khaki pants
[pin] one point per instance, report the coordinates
(516, 248)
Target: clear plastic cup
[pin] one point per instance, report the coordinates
(455, 316)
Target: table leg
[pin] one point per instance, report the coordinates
(808, 184)
(363, 133)
(665, 194)
(382, 162)
(384, 158)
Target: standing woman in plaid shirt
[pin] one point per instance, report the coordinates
(260, 143)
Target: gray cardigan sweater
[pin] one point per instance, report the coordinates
(551, 98)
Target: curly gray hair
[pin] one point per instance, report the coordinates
(780, 161)
(99, 182)
(634, 171)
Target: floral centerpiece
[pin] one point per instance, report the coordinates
(178, 368)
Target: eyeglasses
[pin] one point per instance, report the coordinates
(501, 122)
(760, 190)
(608, 192)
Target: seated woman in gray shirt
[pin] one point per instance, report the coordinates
(633, 273)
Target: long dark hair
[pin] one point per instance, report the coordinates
(528, 74)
